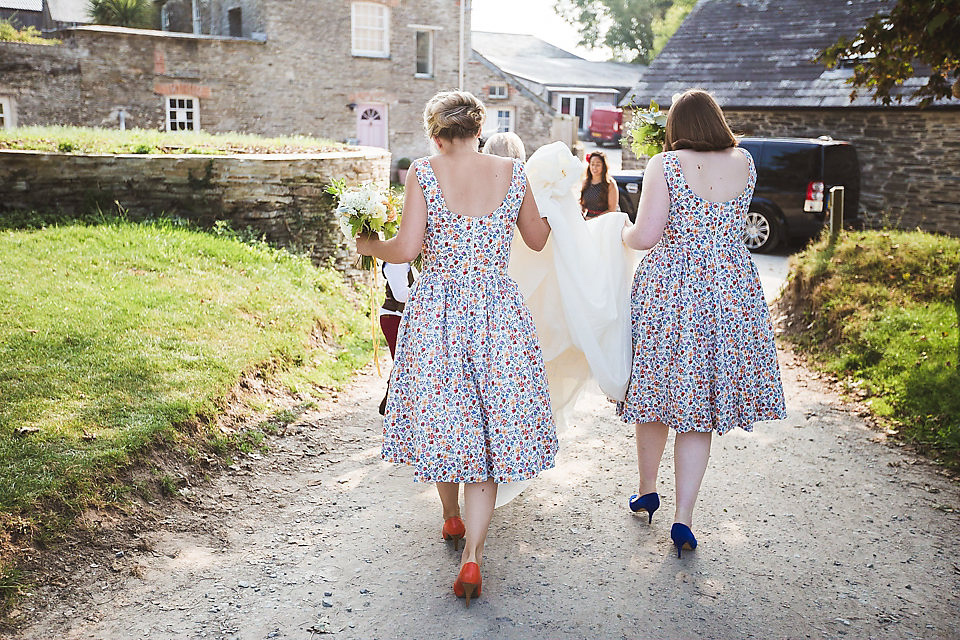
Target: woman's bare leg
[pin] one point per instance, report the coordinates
(651, 439)
(691, 451)
(449, 499)
(479, 499)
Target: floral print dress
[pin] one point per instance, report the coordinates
(704, 357)
(468, 396)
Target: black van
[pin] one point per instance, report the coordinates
(794, 177)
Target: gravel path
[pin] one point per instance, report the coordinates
(809, 527)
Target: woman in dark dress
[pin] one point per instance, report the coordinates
(598, 194)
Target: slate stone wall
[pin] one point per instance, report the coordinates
(279, 196)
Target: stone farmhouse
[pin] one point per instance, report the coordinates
(357, 71)
(569, 84)
(757, 58)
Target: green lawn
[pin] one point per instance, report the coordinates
(149, 141)
(115, 337)
(876, 309)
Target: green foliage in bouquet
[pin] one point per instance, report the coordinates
(367, 209)
(647, 130)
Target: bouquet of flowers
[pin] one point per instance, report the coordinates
(366, 209)
(647, 130)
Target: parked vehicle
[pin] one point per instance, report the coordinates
(606, 122)
(794, 178)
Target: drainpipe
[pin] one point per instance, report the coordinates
(196, 17)
(464, 8)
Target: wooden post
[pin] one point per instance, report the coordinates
(836, 210)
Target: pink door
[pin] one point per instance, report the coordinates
(372, 125)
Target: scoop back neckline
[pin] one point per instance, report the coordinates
(447, 208)
(686, 183)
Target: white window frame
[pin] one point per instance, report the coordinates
(195, 109)
(429, 33)
(384, 11)
(511, 119)
(8, 115)
(498, 94)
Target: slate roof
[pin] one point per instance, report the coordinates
(511, 45)
(70, 11)
(530, 58)
(22, 5)
(759, 54)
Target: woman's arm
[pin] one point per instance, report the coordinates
(406, 245)
(533, 229)
(613, 196)
(652, 210)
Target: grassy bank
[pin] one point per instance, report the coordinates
(120, 336)
(148, 141)
(876, 309)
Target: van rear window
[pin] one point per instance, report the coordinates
(791, 159)
(840, 164)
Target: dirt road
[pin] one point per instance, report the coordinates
(809, 527)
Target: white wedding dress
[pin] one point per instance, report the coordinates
(577, 289)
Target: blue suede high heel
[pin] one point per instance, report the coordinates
(682, 537)
(648, 502)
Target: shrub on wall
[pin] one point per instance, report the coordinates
(122, 13)
(10, 33)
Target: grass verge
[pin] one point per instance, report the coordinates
(89, 140)
(876, 309)
(119, 337)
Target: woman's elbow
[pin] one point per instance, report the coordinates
(536, 244)
(645, 243)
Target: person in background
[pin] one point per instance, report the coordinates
(400, 278)
(598, 193)
(505, 144)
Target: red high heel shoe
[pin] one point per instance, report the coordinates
(453, 529)
(469, 582)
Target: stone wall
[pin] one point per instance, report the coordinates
(280, 196)
(909, 158)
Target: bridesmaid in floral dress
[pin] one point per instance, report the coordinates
(468, 396)
(704, 359)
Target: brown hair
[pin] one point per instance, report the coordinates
(452, 115)
(588, 178)
(696, 122)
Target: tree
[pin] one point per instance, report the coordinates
(888, 49)
(635, 30)
(122, 13)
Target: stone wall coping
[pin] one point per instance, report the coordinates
(360, 154)
(155, 33)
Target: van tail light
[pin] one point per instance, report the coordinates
(814, 201)
(616, 126)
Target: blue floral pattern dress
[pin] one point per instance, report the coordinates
(468, 395)
(704, 357)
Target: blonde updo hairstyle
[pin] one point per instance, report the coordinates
(452, 115)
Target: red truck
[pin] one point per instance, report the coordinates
(606, 123)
